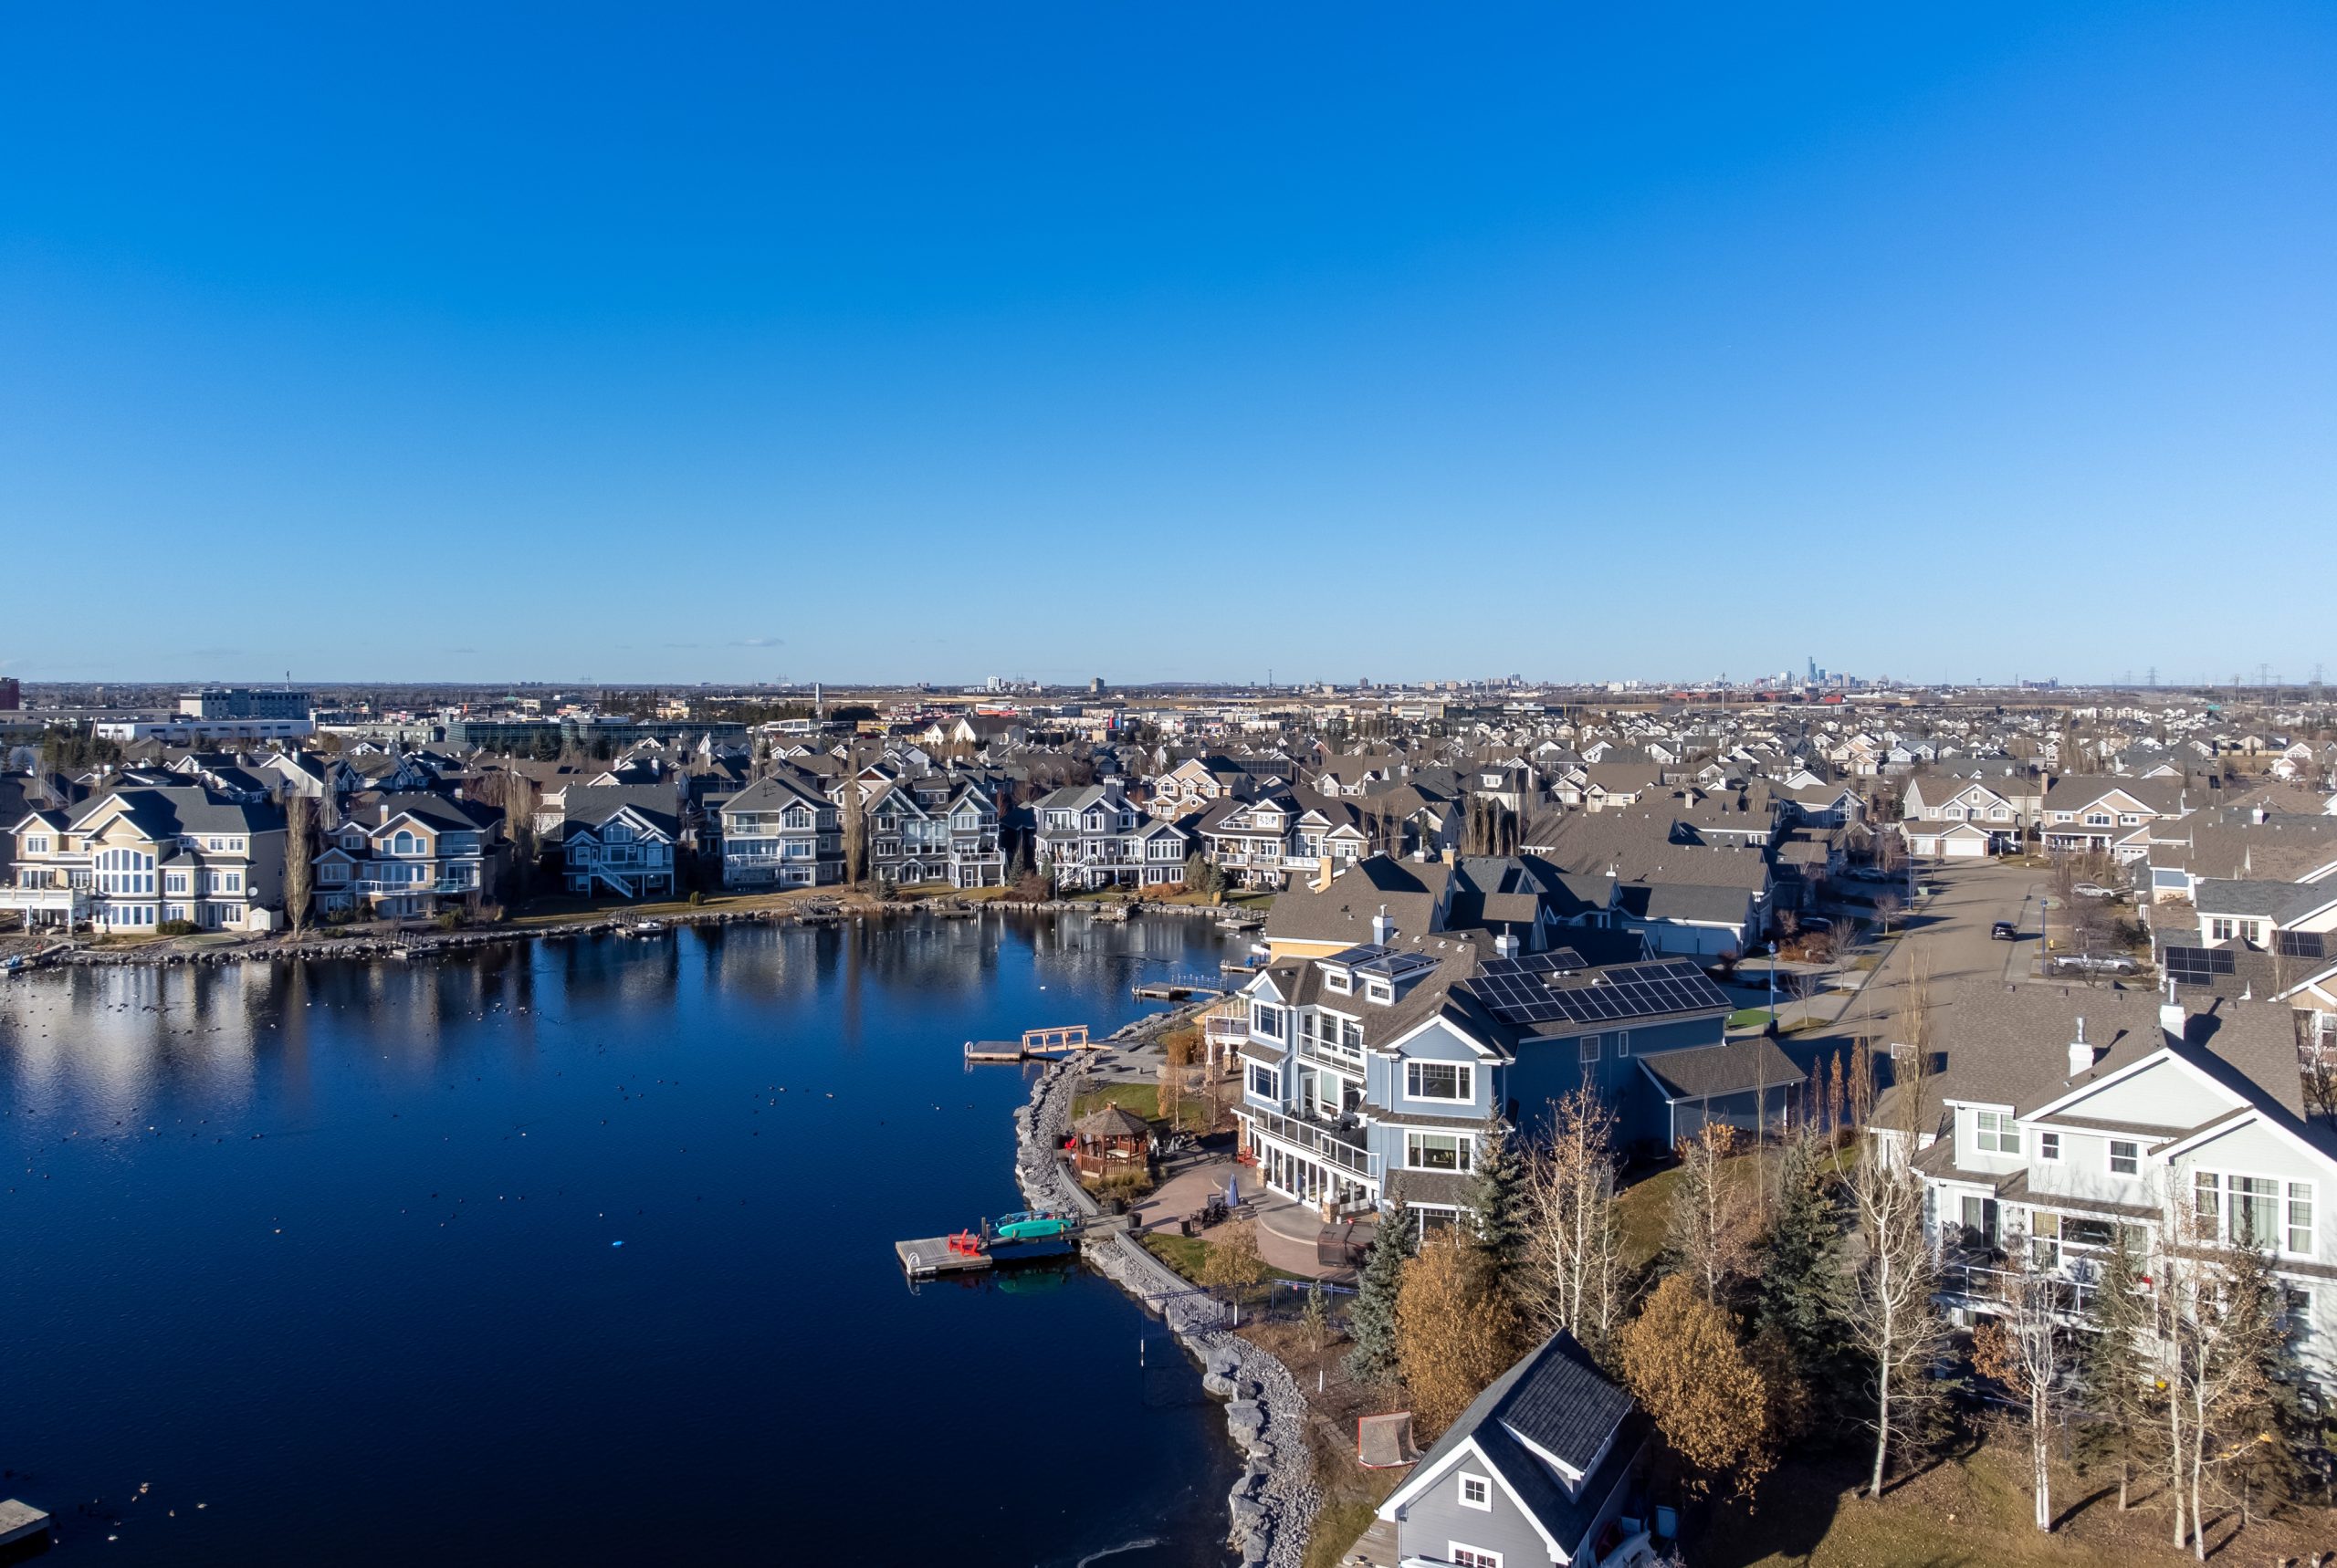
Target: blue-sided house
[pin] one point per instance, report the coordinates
(1371, 1073)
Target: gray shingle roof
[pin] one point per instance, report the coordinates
(1558, 1400)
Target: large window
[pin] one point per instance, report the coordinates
(1471, 1556)
(1998, 1133)
(1265, 1019)
(1439, 1081)
(1264, 1082)
(1437, 1151)
(2125, 1158)
(2255, 1211)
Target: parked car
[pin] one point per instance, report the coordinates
(1816, 923)
(2092, 963)
(2094, 890)
(2004, 931)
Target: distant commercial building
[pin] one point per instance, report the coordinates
(516, 734)
(12, 695)
(243, 702)
(184, 730)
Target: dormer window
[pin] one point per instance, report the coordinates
(1338, 982)
(1380, 991)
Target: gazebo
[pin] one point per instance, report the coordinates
(1113, 1138)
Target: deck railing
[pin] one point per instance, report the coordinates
(1349, 1157)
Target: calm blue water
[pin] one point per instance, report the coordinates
(324, 1256)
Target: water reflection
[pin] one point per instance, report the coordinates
(310, 1241)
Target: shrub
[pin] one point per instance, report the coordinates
(177, 928)
(448, 920)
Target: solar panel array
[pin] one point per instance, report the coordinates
(2196, 966)
(2301, 943)
(1518, 992)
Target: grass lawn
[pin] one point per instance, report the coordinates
(1187, 1254)
(1969, 1511)
(1144, 1098)
(1748, 1017)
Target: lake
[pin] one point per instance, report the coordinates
(576, 1252)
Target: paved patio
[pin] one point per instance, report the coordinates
(1285, 1230)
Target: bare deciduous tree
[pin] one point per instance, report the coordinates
(2218, 1328)
(1710, 1235)
(1573, 1279)
(1887, 1299)
(2025, 1350)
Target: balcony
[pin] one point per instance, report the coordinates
(1344, 1058)
(1342, 1148)
(70, 902)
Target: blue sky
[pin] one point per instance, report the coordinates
(1179, 342)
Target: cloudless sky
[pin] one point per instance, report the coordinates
(1167, 342)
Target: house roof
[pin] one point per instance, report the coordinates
(586, 807)
(1557, 1400)
(1112, 1121)
(1737, 1067)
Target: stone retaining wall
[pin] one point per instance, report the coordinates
(1273, 1502)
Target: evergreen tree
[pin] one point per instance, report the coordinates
(1372, 1321)
(1801, 1269)
(2122, 1425)
(1494, 1206)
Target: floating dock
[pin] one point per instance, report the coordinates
(933, 1255)
(1036, 1045)
(1174, 992)
(21, 1521)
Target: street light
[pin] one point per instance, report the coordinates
(1773, 987)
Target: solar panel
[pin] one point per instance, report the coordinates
(2196, 966)
(2300, 944)
(1520, 991)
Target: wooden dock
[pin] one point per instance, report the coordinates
(933, 1255)
(1036, 1045)
(21, 1521)
(1178, 991)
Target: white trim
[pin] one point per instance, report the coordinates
(1426, 1477)
(1468, 1078)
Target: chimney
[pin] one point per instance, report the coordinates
(1504, 946)
(2170, 1012)
(2080, 1053)
(1323, 874)
(1383, 930)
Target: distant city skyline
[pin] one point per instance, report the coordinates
(583, 686)
(1071, 340)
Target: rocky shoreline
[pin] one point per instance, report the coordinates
(1273, 1502)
